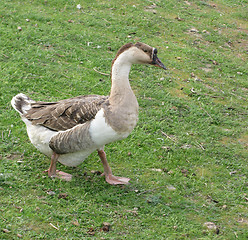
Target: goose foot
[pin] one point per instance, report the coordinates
(63, 175)
(109, 177)
(52, 172)
(113, 180)
(60, 175)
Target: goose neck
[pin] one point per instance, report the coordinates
(120, 78)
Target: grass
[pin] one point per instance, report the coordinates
(187, 157)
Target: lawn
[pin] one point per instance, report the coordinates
(187, 158)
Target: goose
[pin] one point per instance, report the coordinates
(69, 130)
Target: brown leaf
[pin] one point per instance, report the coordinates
(134, 211)
(179, 19)
(185, 172)
(173, 108)
(192, 75)
(91, 231)
(96, 172)
(20, 208)
(59, 55)
(76, 223)
(193, 30)
(50, 192)
(106, 227)
(188, 3)
(63, 195)
(212, 226)
(233, 172)
(166, 148)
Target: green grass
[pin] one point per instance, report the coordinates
(197, 174)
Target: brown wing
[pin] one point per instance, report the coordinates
(65, 114)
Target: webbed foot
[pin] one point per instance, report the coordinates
(60, 175)
(110, 178)
(52, 172)
(113, 180)
(63, 175)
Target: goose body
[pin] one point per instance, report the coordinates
(76, 143)
(69, 130)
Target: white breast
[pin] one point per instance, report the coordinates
(75, 158)
(102, 133)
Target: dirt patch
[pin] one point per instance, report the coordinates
(14, 156)
(207, 69)
(179, 93)
(244, 140)
(243, 221)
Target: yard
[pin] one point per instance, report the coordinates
(187, 157)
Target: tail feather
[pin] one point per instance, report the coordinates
(21, 103)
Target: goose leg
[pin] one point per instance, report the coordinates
(110, 178)
(52, 172)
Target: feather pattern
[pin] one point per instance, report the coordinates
(65, 114)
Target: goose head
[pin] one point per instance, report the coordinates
(139, 53)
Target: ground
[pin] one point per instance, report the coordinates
(187, 157)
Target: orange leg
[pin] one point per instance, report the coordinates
(110, 178)
(52, 172)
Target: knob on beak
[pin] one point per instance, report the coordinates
(156, 61)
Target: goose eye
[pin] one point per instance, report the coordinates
(145, 50)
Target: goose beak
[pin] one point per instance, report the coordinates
(156, 62)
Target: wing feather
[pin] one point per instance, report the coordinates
(65, 114)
